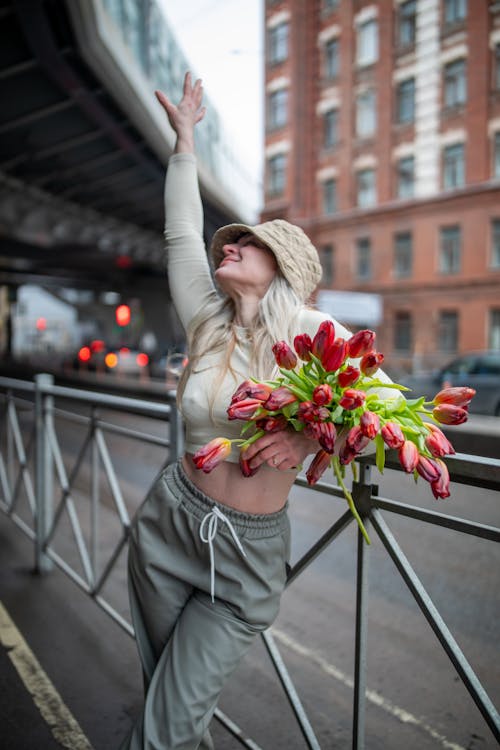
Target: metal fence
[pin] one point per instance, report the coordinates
(31, 462)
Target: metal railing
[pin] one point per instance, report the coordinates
(17, 464)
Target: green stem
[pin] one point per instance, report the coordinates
(250, 440)
(348, 497)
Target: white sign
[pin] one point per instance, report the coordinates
(351, 307)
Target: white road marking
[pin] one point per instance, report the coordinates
(371, 695)
(66, 730)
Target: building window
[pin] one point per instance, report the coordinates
(332, 59)
(367, 43)
(494, 332)
(455, 11)
(330, 128)
(402, 332)
(329, 196)
(367, 194)
(366, 114)
(496, 68)
(329, 5)
(450, 249)
(453, 166)
(277, 108)
(448, 331)
(278, 43)
(407, 23)
(496, 155)
(403, 255)
(406, 177)
(455, 84)
(276, 180)
(327, 262)
(495, 243)
(363, 259)
(406, 101)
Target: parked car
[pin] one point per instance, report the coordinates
(479, 370)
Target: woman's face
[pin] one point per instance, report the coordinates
(247, 266)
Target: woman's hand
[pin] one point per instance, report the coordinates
(282, 450)
(186, 114)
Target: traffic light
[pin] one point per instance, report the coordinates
(122, 314)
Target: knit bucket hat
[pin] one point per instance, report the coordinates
(295, 254)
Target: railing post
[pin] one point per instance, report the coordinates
(361, 495)
(95, 500)
(44, 405)
(176, 432)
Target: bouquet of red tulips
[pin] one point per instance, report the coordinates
(321, 391)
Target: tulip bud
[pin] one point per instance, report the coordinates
(244, 409)
(318, 466)
(427, 469)
(327, 434)
(346, 455)
(335, 356)
(351, 398)
(241, 392)
(441, 486)
(348, 376)
(272, 424)
(284, 356)
(408, 456)
(392, 435)
(249, 389)
(302, 344)
(371, 362)
(279, 398)
(355, 440)
(458, 396)
(309, 412)
(323, 339)
(370, 424)
(245, 467)
(212, 454)
(450, 414)
(361, 343)
(322, 394)
(437, 442)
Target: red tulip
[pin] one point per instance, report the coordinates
(310, 412)
(249, 389)
(346, 455)
(318, 466)
(370, 424)
(427, 469)
(322, 394)
(361, 343)
(324, 338)
(437, 442)
(458, 396)
(441, 486)
(212, 454)
(302, 344)
(392, 435)
(279, 398)
(245, 467)
(241, 391)
(327, 435)
(450, 414)
(335, 355)
(408, 456)
(356, 441)
(244, 409)
(272, 424)
(351, 398)
(348, 376)
(284, 356)
(371, 362)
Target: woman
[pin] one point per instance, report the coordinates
(208, 552)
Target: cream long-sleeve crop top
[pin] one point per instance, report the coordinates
(192, 288)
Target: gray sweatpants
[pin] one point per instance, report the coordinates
(189, 644)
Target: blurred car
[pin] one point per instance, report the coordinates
(127, 362)
(478, 370)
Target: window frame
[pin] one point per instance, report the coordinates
(277, 105)
(452, 265)
(360, 190)
(331, 128)
(407, 20)
(453, 168)
(403, 266)
(455, 83)
(275, 55)
(401, 333)
(495, 243)
(329, 196)
(332, 58)
(364, 58)
(364, 112)
(403, 96)
(363, 264)
(271, 189)
(401, 193)
(448, 328)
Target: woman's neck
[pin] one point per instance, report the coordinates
(246, 311)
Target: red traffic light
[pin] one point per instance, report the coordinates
(122, 314)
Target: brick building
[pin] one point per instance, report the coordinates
(383, 142)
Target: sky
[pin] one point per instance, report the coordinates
(223, 41)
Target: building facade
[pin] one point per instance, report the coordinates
(383, 142)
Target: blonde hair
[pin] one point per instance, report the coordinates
(212, 331)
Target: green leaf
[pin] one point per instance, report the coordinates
(381, 384)
(380, 453)
(290, 410)
(415, 403)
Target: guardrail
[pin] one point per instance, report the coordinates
(34, 459)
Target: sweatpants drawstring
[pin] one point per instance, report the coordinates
(212, 520)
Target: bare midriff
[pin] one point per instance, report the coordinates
(265, 492)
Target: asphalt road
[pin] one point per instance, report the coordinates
(415, 699)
